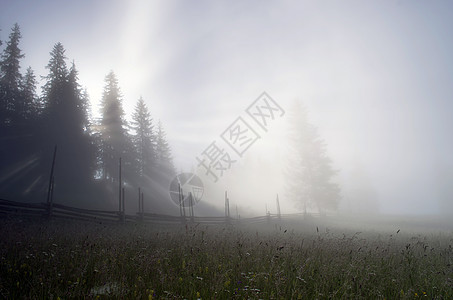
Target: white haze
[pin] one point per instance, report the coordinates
(375, 77)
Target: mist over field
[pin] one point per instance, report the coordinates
(362, 90)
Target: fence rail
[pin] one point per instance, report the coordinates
(54, 210)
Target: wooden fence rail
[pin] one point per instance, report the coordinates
(8, 207)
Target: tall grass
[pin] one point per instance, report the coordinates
(74, 259)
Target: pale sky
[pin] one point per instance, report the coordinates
(376, 77)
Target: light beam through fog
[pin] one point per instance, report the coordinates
(374, 77)
(228, 149)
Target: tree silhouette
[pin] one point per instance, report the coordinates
(143, 140)
(310, 175)
(30, 98)
(114, 138)
(163, 153)
(18, 137)
(10, 80)
(65, 122)
(31, 125)
(57, 78)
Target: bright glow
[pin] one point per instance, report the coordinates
(375, 77)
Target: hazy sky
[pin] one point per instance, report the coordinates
(376, 76)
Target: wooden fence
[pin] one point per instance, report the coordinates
(54, 210)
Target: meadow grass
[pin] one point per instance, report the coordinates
(56, 259)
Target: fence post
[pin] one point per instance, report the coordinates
(51, 184)
(51, 192)
(179, 198)
(278, 209)
(183, 207)
(119, 191)
(268, 215)
(140, 214)
(192, 215)
(123, 214)
(227, 208)
(143, 206)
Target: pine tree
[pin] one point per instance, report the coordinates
(11, 57)
(20, 133)
(64, 107)
(31, 104)
(163, 153)
(89, 114)
(56, 80)
(61, 123)
(310, 176)
(78, 110)
(81, 105)
(143, 139)
(114, 137)
(10, 80)
(65, 122)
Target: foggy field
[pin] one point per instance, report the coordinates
(295, 149)
(41, 259)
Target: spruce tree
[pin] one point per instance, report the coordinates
(65, 122)
(11, 57)
(10, 80)
(163, 153)
(30, 98)
(56, 80)
(143, 140)
(80, 100)
(19, 131)
(113, 130)
(310, 174)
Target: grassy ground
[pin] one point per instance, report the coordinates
(73, 259)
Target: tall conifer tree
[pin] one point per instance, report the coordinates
(10, 79)
(163, 152)
(143, 140)
(113, 129)
(310, 176)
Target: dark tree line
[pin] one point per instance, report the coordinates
(86, 171)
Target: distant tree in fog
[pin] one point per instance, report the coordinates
(144, 140)
(115, 142)
(164, 158)
(310, 174)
